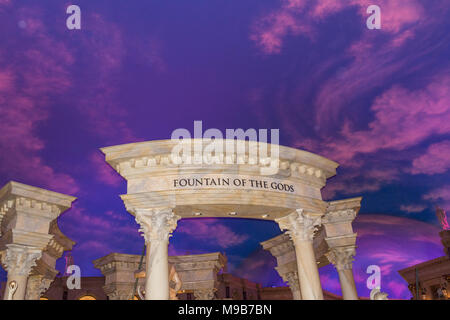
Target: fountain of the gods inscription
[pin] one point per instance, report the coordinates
(172, 179)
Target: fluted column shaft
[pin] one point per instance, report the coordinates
(301, 228)
(157, 226)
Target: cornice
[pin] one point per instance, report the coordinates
(156, 153)
(40, 195)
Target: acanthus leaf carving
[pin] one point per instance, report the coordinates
(341, 257)
(19, 259)
(156, 224)
(300, 225)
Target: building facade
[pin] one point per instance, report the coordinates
(430, 280)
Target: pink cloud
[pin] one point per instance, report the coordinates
(104, 172)
(102, 233)
(94, 247)
(302, 16)
(106, 44)
(353, 183)
(397, 288)
(402, 118)
(435, 160)
(270, 30)
(440, 196)
(330, 283)
(211, 230)
(413, 208)
(31, 78)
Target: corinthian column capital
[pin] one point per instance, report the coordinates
(300, 225)
(341, 257)
(156, 224)
(292, 279)
(19, 260)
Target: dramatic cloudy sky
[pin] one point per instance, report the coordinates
(376, 101)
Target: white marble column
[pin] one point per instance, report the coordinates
(301, 228)
(157, 226)
(18, 261)
(342, 259)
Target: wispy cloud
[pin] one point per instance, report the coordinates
(435, 160)
(302, 17)
(413, 208)
(28, 80)
(212, 230)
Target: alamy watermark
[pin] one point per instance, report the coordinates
(374, 280)
(236, 147)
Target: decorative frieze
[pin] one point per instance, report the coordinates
(290, 168)
(339, 216)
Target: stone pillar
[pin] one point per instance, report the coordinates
(37, 285)
(43, 274)
(157, 226)
(18, 261)
(205, 294)
(120, 270)
(26, 213)
(294, 285)
(342, 258)
(301, 227)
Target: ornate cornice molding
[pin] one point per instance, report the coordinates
(342, 210)
(339, 216)
(135, 166)
(147, 156)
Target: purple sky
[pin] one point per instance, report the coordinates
(376, 101)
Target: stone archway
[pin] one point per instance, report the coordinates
(170, 179)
